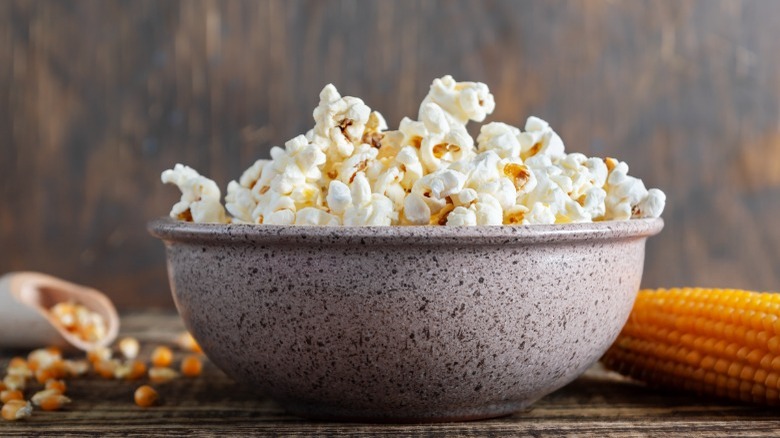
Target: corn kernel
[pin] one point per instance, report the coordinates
(19, 369)
(76, 368)
(188, 343)
(16, 410)
(191, 366)
(99, 354)
(162, 374)
(131, 370)
(162, 356)
(11, 394)
(58, 385)
(145, 396)
(106, 368)
(54, 370)
(49, 400)
(129, 348)
(80, 321)
(42, 358)
(15, 382)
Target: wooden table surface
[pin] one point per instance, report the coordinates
(597, 404)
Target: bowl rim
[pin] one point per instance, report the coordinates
(170, 230)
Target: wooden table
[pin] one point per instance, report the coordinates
(597, 404)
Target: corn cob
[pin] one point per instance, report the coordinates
(719, 342)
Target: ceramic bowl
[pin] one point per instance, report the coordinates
(405, 324)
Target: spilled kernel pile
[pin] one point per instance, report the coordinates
(38, 382)
(349, 169)
(87, 325)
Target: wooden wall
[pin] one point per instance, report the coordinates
(98, 97)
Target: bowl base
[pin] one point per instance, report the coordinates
(343, 414)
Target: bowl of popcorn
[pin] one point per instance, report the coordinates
(410, 275)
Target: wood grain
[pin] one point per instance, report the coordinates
(598, 404)
(98, 97)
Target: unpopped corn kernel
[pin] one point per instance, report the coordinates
(145, 396)
(11, 394)
(191, 366)
(16, 410)
(162, 374)
(162, 356)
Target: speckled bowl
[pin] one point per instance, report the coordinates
(405, 324)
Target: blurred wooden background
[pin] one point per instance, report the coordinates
(98, 97)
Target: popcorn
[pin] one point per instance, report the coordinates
(652, 205)
(539, 138)
(624, 192)
(240, 202)
(461, 217)
(350, 170)
(437, 151)
(313, 216)
(488, 211)
(435, 187)
(416, 210)
(500, 138)
(461, 101)
(340, 120)
(368, 208)
(200, 196)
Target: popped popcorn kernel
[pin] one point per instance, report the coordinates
(350, 169)
(200, 196)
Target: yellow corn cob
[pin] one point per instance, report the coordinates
(720, 342)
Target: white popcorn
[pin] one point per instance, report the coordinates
(461, 101)
(652, 205)
(349, 169)
(252, 175)
(368, 208)
(240, 202)
(306, 195)
(340, 120)
(593, 202)
(539, 214)
(461, 216)
(499, 138)
(200, 196)
(437, 186)
(540, 139)
(362, 158)
(465, 197)
(339, 197)
(272, 206)
(515, 215)
(389, 184)
(520, 175)
(434, 119)
(440, 150)
(488, 211)
(409, 162)
(416, 210)
(481, 169)
(281, 217)
(624, 192)
(315, 216)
